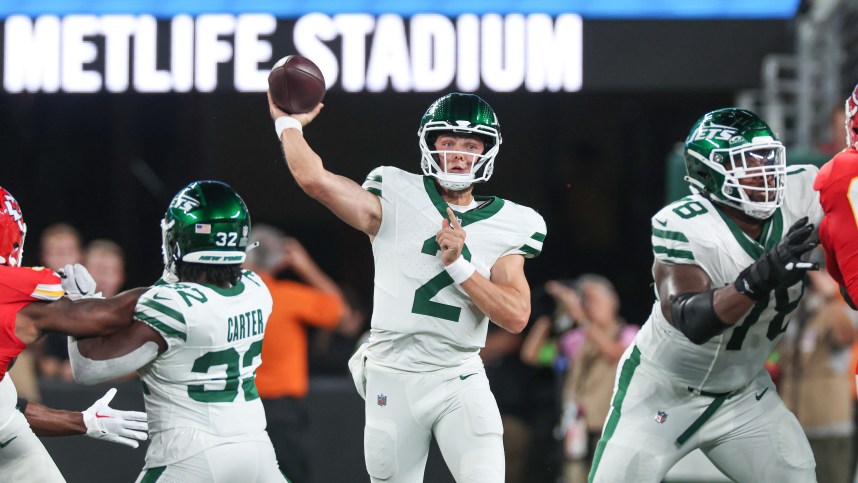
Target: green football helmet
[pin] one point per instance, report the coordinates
(207, 222)
(461, 114)
(737, 159)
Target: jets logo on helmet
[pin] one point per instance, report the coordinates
(207, 222)
(464, 114)
(736, 159)
(13, 230)
(184, 202)
(852, 119)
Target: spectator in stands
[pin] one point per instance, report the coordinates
(282, 379)
(61, 245)
(331, 349)
(591, 349)
(105, 261)
(815, 375)
(526, 400)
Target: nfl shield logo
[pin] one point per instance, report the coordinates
(382, 400)
(661, 417)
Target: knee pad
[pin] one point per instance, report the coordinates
(379, 442)
(482, 465)
(482, 412)
(793, 448)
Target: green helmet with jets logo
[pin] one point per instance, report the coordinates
(736, 159)
(465, 114)
(207, 222)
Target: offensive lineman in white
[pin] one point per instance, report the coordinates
(728, 275)
(446, 262)
(196, 344)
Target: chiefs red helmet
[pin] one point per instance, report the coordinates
(12, 230)
(852, 119)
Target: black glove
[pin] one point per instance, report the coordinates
(781, 265)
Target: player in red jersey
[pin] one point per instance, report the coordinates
(837, 183)
(33, 302)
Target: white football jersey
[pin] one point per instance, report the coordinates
(202, 389)
(421, 319)
(693, 231)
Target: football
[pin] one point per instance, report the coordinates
(296, 84)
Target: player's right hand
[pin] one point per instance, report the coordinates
(781, 265)
(77, 282)
(450, 238)
(304, 119)
(123, 427)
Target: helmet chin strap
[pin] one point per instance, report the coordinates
(454, 186)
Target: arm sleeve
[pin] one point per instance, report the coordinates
(91, 371)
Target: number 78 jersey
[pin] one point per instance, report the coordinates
(694, 231)
(421, 319)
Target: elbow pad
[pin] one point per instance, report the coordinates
(694, 315)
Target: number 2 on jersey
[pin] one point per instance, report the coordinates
(423, 303)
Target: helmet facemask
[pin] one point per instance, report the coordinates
(169, 252)
(13, 231)
(852, 119)
(433, 161)
(754, 176)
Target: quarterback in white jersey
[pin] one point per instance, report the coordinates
(196, 346)
(446, 262)
(729, 276)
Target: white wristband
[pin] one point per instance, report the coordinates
(283, 123)
(460, 270)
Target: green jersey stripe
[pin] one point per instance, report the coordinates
(626, 374)
(172, 313)
(376, 178)
(530, 250)
(160, 326)
(800, 170)
(673, 253)
(152, 474)
(540, 237)
(375, 191)
(669, 235)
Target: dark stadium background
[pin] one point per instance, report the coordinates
(593, 163)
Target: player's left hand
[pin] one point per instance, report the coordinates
(451, 238)
(123, 427)
(77, 282)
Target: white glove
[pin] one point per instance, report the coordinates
(78, 283)
(123, 427)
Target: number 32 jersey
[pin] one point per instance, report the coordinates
(200, 392)
(693, 231)
(422, 320)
